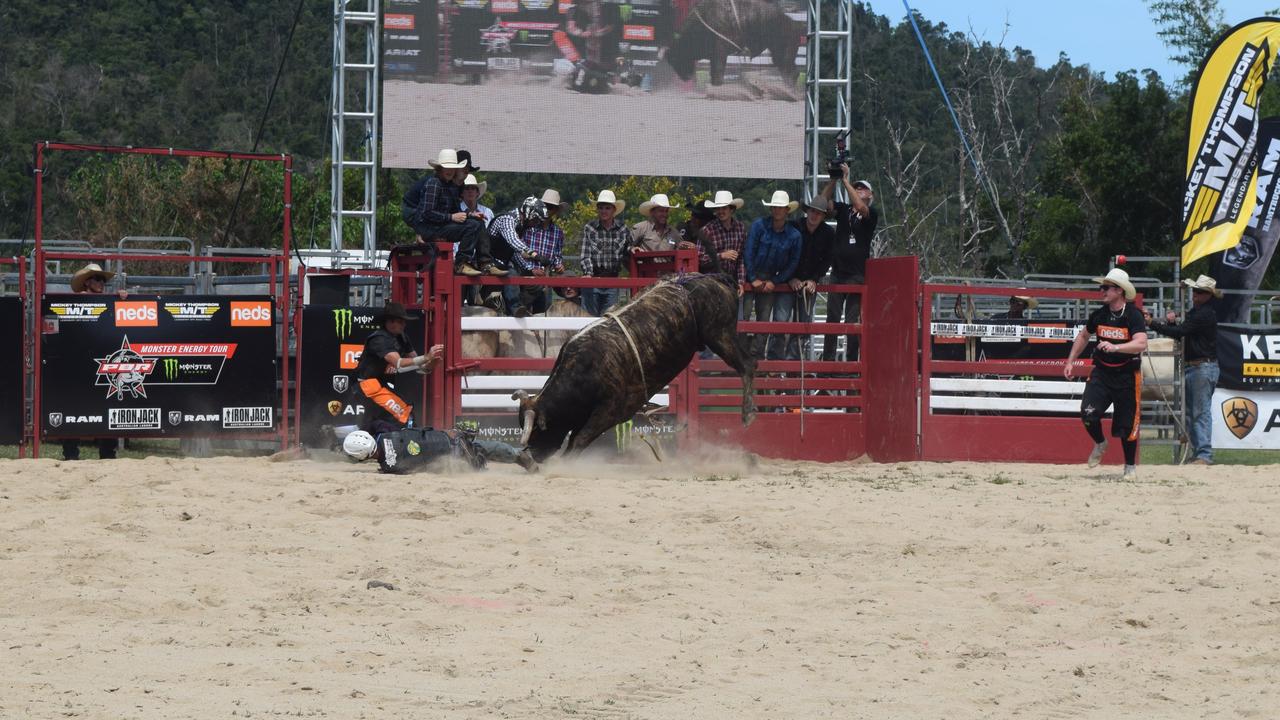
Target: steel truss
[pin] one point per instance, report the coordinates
(355, 114)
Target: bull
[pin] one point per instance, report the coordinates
(714, 28)
(606, 373)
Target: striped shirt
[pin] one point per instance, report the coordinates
(547, 242)
(602, 250)
(722, 237)
(439, 201)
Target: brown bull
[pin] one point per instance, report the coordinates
(607, 372)
(715, 29)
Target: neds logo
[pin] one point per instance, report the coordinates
(250, 314)
(140, 313)
(349, 356)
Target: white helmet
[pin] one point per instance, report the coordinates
(360, 445)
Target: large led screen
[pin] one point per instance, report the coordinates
(642, 87)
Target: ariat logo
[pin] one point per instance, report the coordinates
(170, 366)
(1241, 415)
(255, 313)
(342, 323)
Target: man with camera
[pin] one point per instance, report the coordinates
(855, 228)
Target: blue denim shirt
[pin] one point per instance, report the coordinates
(770, 254)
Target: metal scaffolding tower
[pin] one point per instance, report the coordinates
(354, 114)
(828, 85)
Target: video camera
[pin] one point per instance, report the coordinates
(840, 158)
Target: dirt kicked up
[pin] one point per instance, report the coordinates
(242, 588)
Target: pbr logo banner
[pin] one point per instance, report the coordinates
(1244, 419)
(1221, 189)
(155, 366)
(332, 339)
(1249, 358)
(11, 371)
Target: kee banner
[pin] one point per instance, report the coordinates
(157, 365)
(332, 339)
(1245, 419)
(1248, 358)
(11, 372)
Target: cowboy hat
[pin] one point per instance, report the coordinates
(818, 203)
(1205, 283)
(606, 197)
(781, 199)
(551, 197)
(724, 198)
(1120, 279)
(448, 158)
(657, 201)
(465, 157)
(471, 180)
(394, 310)
(864, 184)
(1027, 300)
(89, 271)
(701, 211)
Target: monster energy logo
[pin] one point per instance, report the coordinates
(625, 12)
(622, 435)
(342, 323)
(170, 368)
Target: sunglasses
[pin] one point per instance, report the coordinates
(1105, 288)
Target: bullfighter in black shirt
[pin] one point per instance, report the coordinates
(386, 353)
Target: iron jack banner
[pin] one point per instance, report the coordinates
(11, 371)
(1241, 267)
(1222, 138)
(1248, 358)
(332, 339)
(154, 366)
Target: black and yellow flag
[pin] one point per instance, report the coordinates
(1222, 158)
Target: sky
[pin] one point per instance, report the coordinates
(1108, 35)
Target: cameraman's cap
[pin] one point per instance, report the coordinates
(864, 184)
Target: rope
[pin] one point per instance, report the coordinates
(719, 34)
(635, 351)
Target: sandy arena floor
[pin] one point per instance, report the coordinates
(238, 588)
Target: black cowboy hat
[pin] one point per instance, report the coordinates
(701, 211)
(465, 156)
(394, 310)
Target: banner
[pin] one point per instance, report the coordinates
(332, 338)
(1243, 419)
(1248, 358)
(11, 371)
(1222, 135)
(611, 87)
(1241, 267)
(639, 435)
(154, 366)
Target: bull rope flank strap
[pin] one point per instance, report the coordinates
(717, 33)
(635, 351)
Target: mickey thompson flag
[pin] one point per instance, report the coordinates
(1222, 158)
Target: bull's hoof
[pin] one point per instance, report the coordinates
(526, 461)
(748, 417)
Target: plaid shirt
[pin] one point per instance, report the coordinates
(602, 250)
(439, 201)
(547, 242)
(722, 238)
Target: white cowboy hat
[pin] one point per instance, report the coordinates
(607, 197)
(781, 199)
(551, 197)
(89, 271)
(1120, 279)
(1206, 283)
(723, 198)
(657, 201)
(864, 184)
(448, 158)
(471, 180)
(1027, 300)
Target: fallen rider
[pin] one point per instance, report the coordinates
(410, 449)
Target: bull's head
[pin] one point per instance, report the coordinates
(541, 435)
(527, 414)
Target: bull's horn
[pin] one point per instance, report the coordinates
(528, 427)
(520, 395)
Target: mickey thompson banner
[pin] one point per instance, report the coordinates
(1222, 157)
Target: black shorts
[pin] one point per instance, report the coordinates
(1120, 390)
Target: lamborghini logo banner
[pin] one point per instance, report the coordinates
(1222, 139)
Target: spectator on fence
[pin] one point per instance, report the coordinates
(472, 191)
(855, 228)
(92, 280)
(438, 217)
(506, 237)
(1199, 334)
(769, 261)
(722, 239)
(1116, 378)
(816, 240)
(654, 234)
(1018, 307)
(692, 237)
(603, 246)
(386, 352)
(540, 255)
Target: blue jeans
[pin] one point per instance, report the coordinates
(597, 300)
(1201, 379)
(784, 305)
